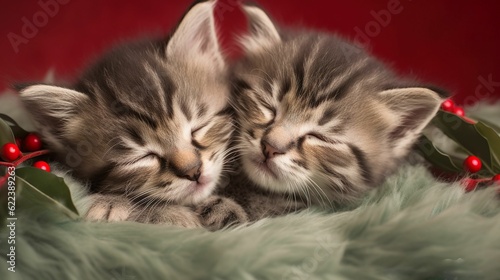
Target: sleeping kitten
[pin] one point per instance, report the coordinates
(147, 126)
(320, 120)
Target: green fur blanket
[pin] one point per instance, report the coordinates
(411, 227)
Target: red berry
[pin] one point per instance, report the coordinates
(448, 105)
(459, 111)
(10, 152)
(496, 179)
(32, 142)
(472, 164)
(42, 165)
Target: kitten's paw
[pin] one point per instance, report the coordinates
(167, 214)
(108, 208)
(219, 212)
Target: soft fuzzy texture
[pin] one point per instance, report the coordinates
(412, 227)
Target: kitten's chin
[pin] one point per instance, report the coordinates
(198, 191)
(189, 193)
(265, 176)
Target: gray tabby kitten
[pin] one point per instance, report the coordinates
(147, 126)
(320, 121)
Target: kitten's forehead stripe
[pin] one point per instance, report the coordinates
(342, 89)
(141, 84)
(285, 88)
(202, 109)
(327, 116)
(170, 90)
(185, 109)
(121, 110)
(156, 82)
(298, 71)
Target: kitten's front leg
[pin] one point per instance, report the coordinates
(176, 215)
(108, 208)
(116, 208)
(218, 212)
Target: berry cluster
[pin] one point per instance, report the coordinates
(449, 106)
(13, 156)
(472, 164)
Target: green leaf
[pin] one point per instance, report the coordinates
(3, 201)
(437, 158)
(15, 127)
(49, 187)
(466, 135)
(30, 198)
(6, 135)
(493, 140)
(489, 123)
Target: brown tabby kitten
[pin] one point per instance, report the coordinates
(320, 121)
(147, 126)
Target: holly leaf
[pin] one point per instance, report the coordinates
(41, 187)
(3, 197)
(6, 135)
(489, 123)
(436, 157)
(14, 126)
(493, 140)
(466, 135)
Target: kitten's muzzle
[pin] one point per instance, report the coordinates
(270, 151)
(193, 175)
(187, 164)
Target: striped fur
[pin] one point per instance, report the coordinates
(320, 118)
(149, 121)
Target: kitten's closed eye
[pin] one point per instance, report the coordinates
(151, 155)
(317, 136)
(141, 159)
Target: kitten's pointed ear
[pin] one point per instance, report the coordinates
(262, 31)
(51, 103)
(196, 36)
(413, 108)
(52, 108)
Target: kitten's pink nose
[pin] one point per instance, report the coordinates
(186, 164)
(270, 151)
(193, 174)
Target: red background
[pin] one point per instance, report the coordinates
(449, 43)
